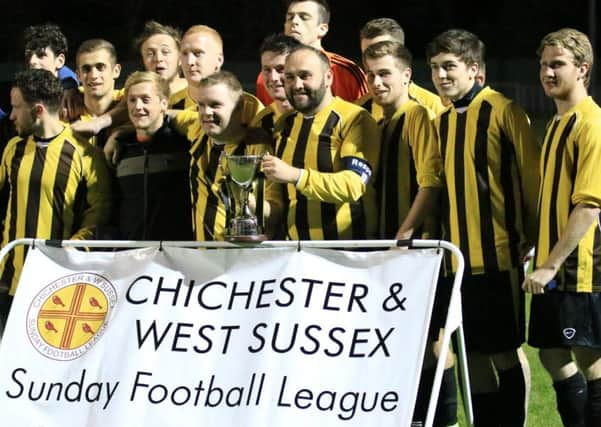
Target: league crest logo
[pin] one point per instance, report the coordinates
(68, 316)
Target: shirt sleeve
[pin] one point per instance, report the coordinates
(359, 153)
(587, 186)
(527, 152)
(186, 123)
(424, 147)
(98, 194)
(261, 91)
(350, 82)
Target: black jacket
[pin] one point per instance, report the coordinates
(153, 190)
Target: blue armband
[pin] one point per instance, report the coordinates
(359, 166)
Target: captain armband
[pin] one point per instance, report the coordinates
(359, 166)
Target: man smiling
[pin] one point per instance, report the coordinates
(223, 131)
(98, 71)
(490, 159)
(152, 174)
(326, 154)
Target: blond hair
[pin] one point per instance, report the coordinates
(575, 42)
(205, 29)
(161, 86)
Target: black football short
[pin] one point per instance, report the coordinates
(493, 311)
(565, 319)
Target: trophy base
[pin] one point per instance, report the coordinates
(251, 238)
(245, 229)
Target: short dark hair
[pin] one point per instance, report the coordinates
(92, 45)
(39, 85)
(462, 43)
(152, 28)
(323, 8)
(382, 27)
(388, 47)
(39, 37)
(226, 78)
(279, 43)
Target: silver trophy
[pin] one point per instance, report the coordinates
(240, 172)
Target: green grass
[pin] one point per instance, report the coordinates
(541, 407)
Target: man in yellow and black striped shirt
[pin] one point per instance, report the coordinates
(410, 173)
(565, 321)
(490, 159)
(98, 70)
(202, 55)
(408, 185)
(59, 187)
(222, 131)
(383, 29)
(326, 154)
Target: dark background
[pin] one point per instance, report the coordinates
(511, 30)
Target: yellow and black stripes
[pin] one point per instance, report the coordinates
(208, 186)
(490, 159)
(571, 176)
(389, 170)
(337, 150)
(58, 189)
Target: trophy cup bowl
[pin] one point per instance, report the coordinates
(244, 225)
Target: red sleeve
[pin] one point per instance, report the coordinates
(350, 82)
(261, 91)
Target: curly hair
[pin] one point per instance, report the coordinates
(39, 37)
(40, 86)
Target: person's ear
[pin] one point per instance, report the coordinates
(59, 61)
(322, 30)
(116, 71)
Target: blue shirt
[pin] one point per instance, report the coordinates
(66, 73)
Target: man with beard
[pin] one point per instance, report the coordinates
(326, 154)
(308, 22)
(58, 186)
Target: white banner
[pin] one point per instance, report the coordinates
(236, 337)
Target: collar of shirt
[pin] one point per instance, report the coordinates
(465, 101)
